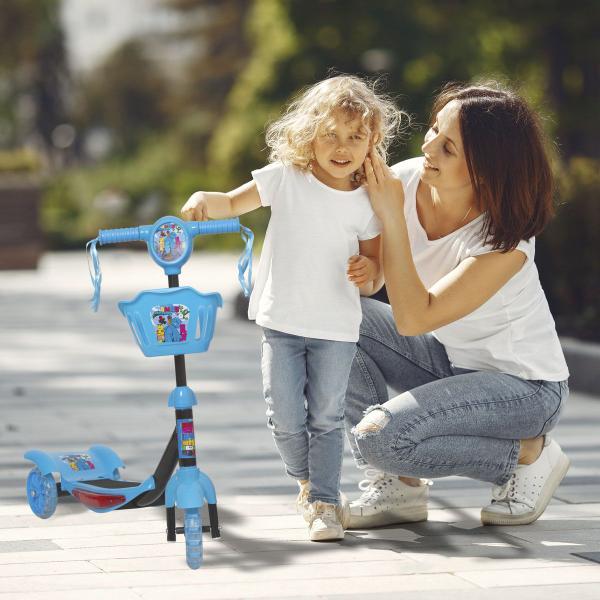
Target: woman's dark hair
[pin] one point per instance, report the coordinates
(508, 164)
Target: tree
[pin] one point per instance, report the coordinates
(33, 72)
(215, 34)
(126, 94)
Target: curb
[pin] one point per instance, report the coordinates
(583, 359)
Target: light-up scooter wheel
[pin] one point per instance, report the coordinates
(41, 493)
(192, 525)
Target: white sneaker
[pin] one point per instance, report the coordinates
(303, 505)
(527, 493)
(323, 522)
(386, 500)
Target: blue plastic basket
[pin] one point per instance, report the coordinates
(172, 321)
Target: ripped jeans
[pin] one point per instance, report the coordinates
(445, 420)
(304, 380)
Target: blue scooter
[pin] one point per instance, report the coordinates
(172, 321)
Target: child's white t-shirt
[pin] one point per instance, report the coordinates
(513, 332)
(301, 286)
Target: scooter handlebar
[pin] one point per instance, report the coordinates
(170, 243)
(214, 227)
(116, 236)
(142, 233)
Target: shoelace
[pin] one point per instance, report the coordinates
(508, 493)
(374, 482)
(372, 478)
(502, 493)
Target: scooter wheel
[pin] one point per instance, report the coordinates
(41, 493)
(192, 526)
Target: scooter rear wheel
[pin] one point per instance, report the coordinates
(42, 494)
(192, 525)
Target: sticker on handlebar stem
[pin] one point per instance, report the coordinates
(185, 438)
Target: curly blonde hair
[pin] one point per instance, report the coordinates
(290, 138)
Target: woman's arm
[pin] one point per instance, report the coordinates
(202, 206)
(416, 309)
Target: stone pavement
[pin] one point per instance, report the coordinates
(71, 378)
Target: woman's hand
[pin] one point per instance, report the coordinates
(196, 208)
(385, 190)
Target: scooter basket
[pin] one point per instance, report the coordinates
(172, 321)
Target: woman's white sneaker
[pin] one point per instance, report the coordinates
(527, 493)
(324, 524)
(386, 500)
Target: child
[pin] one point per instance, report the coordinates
(322, 229)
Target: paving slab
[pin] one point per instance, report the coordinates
(531, 577)
(583, 591)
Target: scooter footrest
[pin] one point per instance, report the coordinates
(111, 483)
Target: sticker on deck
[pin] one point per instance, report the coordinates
(78, 462)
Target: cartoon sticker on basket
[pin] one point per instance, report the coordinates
(170, 323)
(78, 462)
(169, 241)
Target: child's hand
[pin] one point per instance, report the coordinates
(195, 209)
(361, 269)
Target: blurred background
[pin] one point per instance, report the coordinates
(112, 112)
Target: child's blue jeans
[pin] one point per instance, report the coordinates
(304, 384)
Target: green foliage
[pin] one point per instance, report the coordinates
(124, 193)
(239, 133)
(20, 160)
(32, 70)
(568, 251)
(216, 31)
(25, 27)
(61, 214)
(126, 95)
(82, 200)
(251, 56)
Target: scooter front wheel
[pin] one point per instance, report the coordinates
(42, 494)
(192, 525)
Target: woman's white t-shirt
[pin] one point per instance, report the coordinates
(513, 332)
(301, 285)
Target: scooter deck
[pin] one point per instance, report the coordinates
(98, 462)
(111, 483)
(104, 494)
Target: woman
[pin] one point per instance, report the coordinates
(468, 342)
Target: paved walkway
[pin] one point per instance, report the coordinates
(71, 378)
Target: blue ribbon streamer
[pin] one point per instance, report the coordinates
(245, 261)
(96, 276)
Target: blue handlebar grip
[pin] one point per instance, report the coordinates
(214, 227)
(115, 236)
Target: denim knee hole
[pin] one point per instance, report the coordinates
(375, 419)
